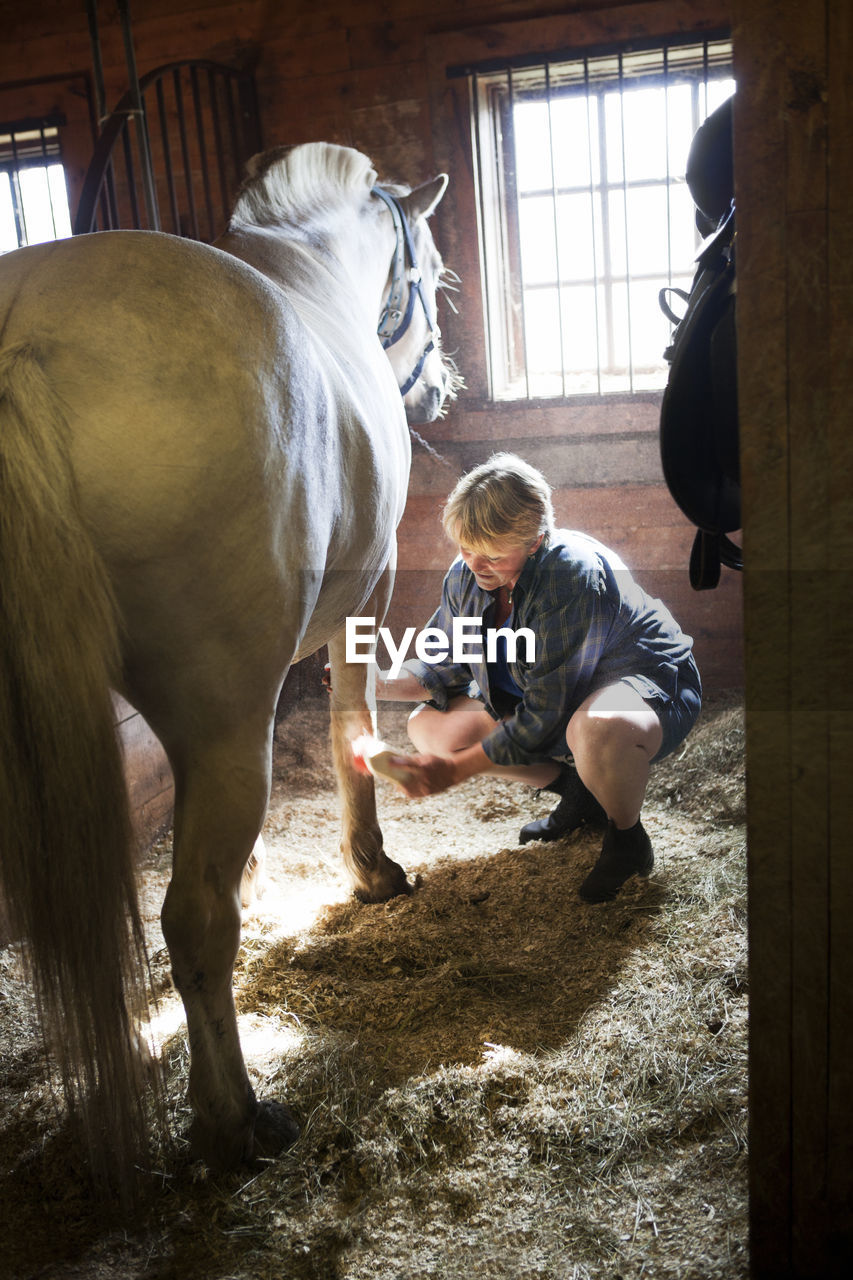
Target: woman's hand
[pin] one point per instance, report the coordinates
(431, 774)
(427, 775)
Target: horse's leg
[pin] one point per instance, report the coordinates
(374, 876)
(253, 881)
(221, 792)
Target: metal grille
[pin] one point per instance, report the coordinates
(180, 171)
(584, 214)
(33, 196)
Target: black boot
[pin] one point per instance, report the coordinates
(577, 806)
(623, 854)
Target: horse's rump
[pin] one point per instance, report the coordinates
(213, 439)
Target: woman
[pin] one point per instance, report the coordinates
(610, 687)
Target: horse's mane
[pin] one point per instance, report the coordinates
(286, 184)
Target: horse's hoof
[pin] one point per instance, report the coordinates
(267, 1132)
(222, 1153)
(388, 880)
(275, 1129)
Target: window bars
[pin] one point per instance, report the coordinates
(33, 197)
(584, 214)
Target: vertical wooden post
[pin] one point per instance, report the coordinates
(794, 186)
(840, 639)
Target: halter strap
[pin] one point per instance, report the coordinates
(394, 323)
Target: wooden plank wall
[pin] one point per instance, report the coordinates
(149, 777)
(793, 150)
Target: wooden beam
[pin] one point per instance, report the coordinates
(839, 644)
(791, 61)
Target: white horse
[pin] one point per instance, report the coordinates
(203, 459)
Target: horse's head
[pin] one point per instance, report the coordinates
(309, 193)
(408, 327)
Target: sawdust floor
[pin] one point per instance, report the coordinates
(492, 1078)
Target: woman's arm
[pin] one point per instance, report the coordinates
(430, 774)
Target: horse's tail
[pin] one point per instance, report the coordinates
(66, 847)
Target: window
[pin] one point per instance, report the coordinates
(33, 197)
(584, 213)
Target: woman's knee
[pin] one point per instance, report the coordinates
(434, 732)
(589, 735)
(611, 722)
(425, 728)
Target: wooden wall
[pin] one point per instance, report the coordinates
(148, 773)
(794, 178)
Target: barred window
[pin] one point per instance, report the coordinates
(584, 214)
(33, 195)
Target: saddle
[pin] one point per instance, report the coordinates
(699, 430)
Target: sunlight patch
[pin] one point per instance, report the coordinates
(286, 911)
(263, 1038)
(168, 1018)
(500, 1054)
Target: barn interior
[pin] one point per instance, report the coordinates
(397, 83)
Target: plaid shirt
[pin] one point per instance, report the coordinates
(593, 626)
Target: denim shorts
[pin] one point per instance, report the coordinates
(679, 714)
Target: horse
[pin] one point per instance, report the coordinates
(204, 455)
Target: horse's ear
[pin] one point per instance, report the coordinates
(421, 202)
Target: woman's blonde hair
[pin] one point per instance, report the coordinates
(502, 500)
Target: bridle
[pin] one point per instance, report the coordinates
(394, 322)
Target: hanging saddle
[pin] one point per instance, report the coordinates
(699, 412)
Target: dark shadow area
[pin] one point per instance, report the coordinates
(493, 949)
